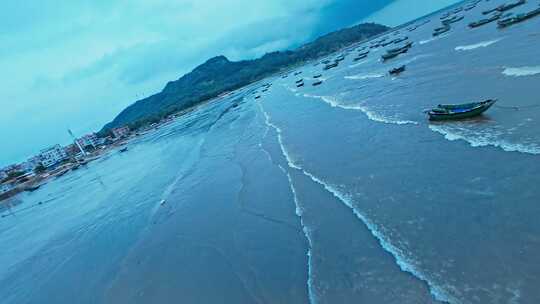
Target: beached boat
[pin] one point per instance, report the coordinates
(316, 83)
(460, 111)
(397, 71)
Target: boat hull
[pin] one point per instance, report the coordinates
(435, 116)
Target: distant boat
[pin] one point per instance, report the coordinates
(33, 188)
(316, 83)
(452, 20)
(331, 66)
(510, 6)
(301, 84)
(399, 40)
(317, 76)
(363, 53)
(484, 21)
(297, 73)
(359, 57)
(340, 58)
(518, 18)
(124, 149)
(258, 96)
(441, 30)
(299, 80)
(396, 71)
(399, 50)
(460, 111)
(391, 55)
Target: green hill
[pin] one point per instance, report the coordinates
(218, 75)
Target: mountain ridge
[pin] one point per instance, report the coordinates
(218, 75)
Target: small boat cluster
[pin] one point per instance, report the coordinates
(505, 19)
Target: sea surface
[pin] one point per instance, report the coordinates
(337, 193)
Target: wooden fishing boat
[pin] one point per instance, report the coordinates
(460, 111)
(316, 83)
(301, 84)
(317, 76)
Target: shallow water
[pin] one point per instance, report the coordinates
(338, 193)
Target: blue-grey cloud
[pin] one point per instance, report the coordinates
(78, 63)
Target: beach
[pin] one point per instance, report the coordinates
(338, 193)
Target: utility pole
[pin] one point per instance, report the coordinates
(76, 142)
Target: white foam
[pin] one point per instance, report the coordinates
(365, 76)
(477, 139)
(370, 114)
(359, 63)
(405, 263)
(477, 45)
(522, 71)
(298, 208)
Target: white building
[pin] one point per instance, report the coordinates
(88, 140)
(52, 156)
(120, 132)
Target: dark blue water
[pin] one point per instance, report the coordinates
(339, 193)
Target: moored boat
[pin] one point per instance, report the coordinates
(397, 71)
(318, 82)
(459, 111)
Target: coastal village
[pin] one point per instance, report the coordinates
(58, 160)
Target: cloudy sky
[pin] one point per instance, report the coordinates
(76, 64)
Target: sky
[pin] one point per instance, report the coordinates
(77, 64)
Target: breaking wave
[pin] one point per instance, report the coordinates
(484, 139)
(369, 113)
(311, 291)
(365, 76)
(402, 259)
(476, 45)
(522, 71)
